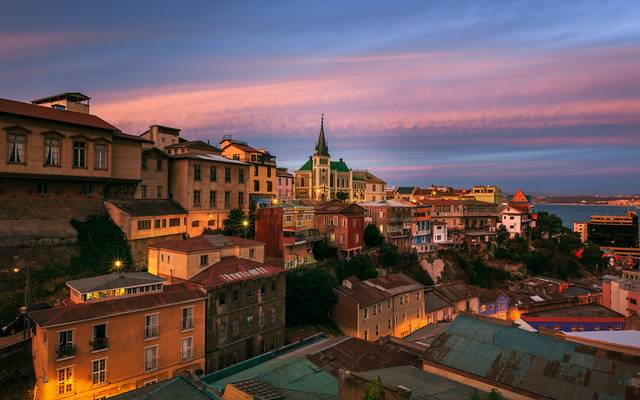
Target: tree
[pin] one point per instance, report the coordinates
(322, 250)
(360, 265)
(374, 390)
(547, 225)
(342, 196)
(239, 224)
(372, 236)
(310, 296)
(389, 256)
(592, 257)
(409, 265)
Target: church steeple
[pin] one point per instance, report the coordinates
(321, 147)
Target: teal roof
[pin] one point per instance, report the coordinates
(290, 376)
(543, 364)
(176, 388)
(340, 166)
(308, 166)
(405, 189)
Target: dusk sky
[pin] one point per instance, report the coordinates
(539, 95)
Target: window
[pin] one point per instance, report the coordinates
(255, 170)
(151, 326)
(101, 156)
(273, 286)
(227, 174)
(99, 341)
(204, 260)
(195, 224)
(196, 172)
(143, 191)
(256, 185)
(274, 315)
(144, 163)
(42, 187)
(196, 198)
(187, 349)
(66, 348)
(240, 199)
(156, 223)
(389, 324)
(16, 149)
(151, 358)
(235, 327)
(174, 222)
(159, 191)
(227, 199)
(222, 298)
(366, 313)
(235, 294)
(213, 174)
(236, 157)
(187, 318)
(79, 155)
(252, 253)
(159, 164)
(241, 175)
(249, 321)
(65, 380)
(268, 172)
(366, 334)
(99, 371)
(269, 186)
(51, 151)
(377, 329)
(222, 331)
(144, 224)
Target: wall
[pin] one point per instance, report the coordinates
(345, 315)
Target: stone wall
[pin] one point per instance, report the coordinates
(139, 248)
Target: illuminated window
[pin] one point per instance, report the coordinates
(99, 371)
(65, 380)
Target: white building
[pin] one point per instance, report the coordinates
(516, 219)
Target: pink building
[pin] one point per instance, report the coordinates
(622, 294)
(284, 183)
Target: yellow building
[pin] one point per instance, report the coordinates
(581, 229)
(262, 171)
(486, 194)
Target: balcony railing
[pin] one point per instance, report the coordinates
(66, 350)
(99, 343)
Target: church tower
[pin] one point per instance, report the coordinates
(321, 168)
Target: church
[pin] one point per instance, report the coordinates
(321, 179)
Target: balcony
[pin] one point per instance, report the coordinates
(293, 238)
(66, 351)
(99, 343)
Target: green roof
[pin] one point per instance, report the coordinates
(176, 388)
(308, 166)
(339, 166)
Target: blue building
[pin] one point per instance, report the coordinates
(494, 303)
(576, 318)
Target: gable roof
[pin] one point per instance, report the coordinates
(544, 364)
(375, 290)
(334, 207)
(143, 208)
(242, 146)
(520, 197)
(193, 144)
(591, 310)
(179, 387)
(307, 166)
(70, 117)
(233, 269)
(339, 166)
(113, 281)
(405, 189)
(367, 177)
(204, 243)
(456, 291)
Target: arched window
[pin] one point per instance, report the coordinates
(302, 181)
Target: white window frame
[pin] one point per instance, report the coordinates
(101, 379)
(154, 366)
(186, 353)
(147, 327)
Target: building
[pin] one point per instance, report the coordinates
(144, 222)
(180, 387)
(394, 219)
(262, 179)
(285, 184)
(245, 309)
(405, 193)
(421, 230)
(367, 187)
(576, 318)
(487, 352)
(470, 223)
(58, 162)
(390, 305)
(154, 175)
(439, 233)
(494, 303)
(161, 137)
(207, 185)
(581, 229)
(445, 301)
(183, 259)
(614, 230)
(621, 294)
(342, 225)
(78, 348)
(516, 219)
(321, 179)
(585, 294)
(288, 231)
(538, 285)
(486, 194)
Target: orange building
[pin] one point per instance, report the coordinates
(116, 333)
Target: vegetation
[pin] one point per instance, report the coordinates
(362, 266)
(374, 390)
(322, 250)
(372, 236)
(494, 394)
(239, 224)
(310, 296)
(342, 196)
(472, 270)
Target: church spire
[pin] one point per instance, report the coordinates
(321, 147)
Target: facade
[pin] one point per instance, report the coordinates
(581, 229)
(394, 219)
(516, 220)
(78, 348)
(450, 299)
(470, 223)
(367, 187)
(154, 175)
(421, 230)
(262, 176)
(285, 184)
(183, 259)
(245, 309)
(392, 305)
(614, 230)
(342, 225)
(439, 233)
(321, 179)
(288, 231)
(621, 294)
(487, 194)
(494, 303)
(576, 318)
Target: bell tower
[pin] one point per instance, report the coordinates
(321, 167)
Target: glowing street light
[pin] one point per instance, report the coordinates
(245, 223)
(117, 264)
(275, 202)
(16, 269)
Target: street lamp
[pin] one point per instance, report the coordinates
(245, 224)
(27, 298)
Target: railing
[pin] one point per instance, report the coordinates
(66, 350)
(187, 324)
(99, 343)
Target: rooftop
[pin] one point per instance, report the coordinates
(456, 291)
(629, 338)
(591, 310)
(434, 301)
(171, 294)
(113, 281)
(209, 157)
(386, 203)
(143, 208)
(405, 189)
(367, 177)
(544, 364)
(374, 290)
(334, 207)
(204, 243)
(428, 333)
(178, 387)
(232, 269)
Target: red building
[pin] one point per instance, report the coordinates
(342, 224)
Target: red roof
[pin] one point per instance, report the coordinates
(243, 147)
(233, 269)
(204, 243)
(171, 294)
(70, 117)
(516, 208)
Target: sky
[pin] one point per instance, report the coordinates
(540, 95)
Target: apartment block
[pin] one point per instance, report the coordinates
(78, 348)
(394, 219)
(284, 186)
(343, 226)
(367, 187)
(392, 305)
(614, 230)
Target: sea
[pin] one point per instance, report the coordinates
(570, 213)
